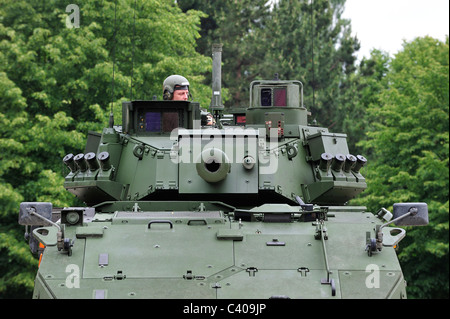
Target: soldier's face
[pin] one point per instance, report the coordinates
(180, 95)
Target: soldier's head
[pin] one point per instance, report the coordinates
(176, 88)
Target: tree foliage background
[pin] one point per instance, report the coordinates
(56, 85)
(408, 144)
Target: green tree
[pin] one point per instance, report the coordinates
(362, 89)
(56, 85)
(408, 142)
(311, 42)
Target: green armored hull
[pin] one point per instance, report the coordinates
(209, 254)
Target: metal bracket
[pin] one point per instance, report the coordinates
(252, 271)
(303, 271)
(376, 244)
(330, 282)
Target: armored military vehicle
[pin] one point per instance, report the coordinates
(253, 209)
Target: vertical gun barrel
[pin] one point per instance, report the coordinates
(216, 99)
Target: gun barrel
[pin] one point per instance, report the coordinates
(216, 99)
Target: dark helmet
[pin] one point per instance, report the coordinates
(172, 83)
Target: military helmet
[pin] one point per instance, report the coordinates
(172, 83)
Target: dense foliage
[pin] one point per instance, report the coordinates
(56, 85)
(408, 145)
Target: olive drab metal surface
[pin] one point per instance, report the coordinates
(253, 206)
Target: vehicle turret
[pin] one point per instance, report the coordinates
(161, 151)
